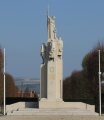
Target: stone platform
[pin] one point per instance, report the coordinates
(44, 104)
(36, 111)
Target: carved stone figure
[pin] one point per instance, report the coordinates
(43, 51)
(51, 28)
(51, 49)
(60, 47)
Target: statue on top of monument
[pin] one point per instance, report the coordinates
(51, 36)
(54, 46)
(52, 39)
(51, 27)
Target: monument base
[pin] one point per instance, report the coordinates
(46, 104)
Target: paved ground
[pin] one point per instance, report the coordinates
(51, 117)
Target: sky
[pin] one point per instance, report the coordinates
(23, 29)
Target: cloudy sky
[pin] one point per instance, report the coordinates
(80, 23)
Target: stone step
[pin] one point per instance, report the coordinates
(33, 113)
(29, 111)
(52, 111)
(34, 109)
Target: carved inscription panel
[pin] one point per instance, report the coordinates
(51, 73)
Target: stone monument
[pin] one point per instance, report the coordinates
(51, 74)
(51, 84)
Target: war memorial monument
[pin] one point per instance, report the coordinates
(51, 68)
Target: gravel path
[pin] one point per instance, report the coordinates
(51, 117)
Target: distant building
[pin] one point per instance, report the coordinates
(29, 94)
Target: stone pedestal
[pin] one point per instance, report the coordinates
(54, 80)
